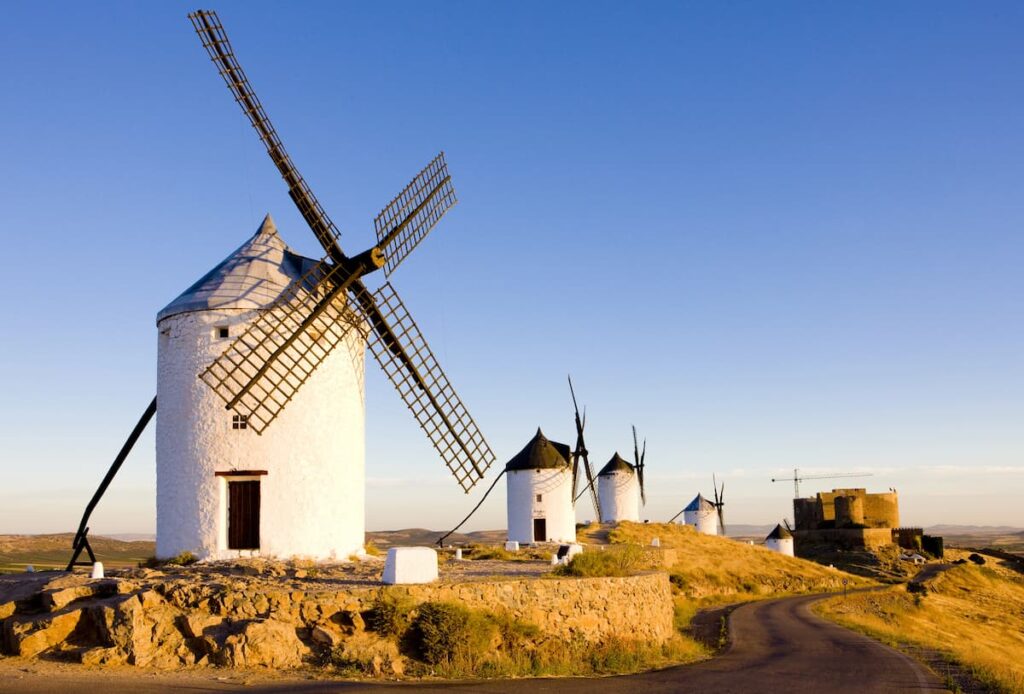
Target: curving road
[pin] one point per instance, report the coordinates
(776, 646)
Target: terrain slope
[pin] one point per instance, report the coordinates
(53, 551)
(707, 569)
(973, 615)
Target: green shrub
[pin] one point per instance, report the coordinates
(614, 561)
(183, 559)
(388, 616)
(448, 634)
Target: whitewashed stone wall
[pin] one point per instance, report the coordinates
(312, 497)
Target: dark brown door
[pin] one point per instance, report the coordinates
(244, 515)
(540, 530)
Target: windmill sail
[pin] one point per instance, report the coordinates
(414, 212)
(638, 459)
(403, 354)
(264, 368)
(581, 453)
(215, 41)
(261, 371)
(719, 502)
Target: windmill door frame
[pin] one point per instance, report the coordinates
(540, 529)
(241, 506)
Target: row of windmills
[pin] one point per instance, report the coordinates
(543, 486)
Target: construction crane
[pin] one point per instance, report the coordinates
(796, 479)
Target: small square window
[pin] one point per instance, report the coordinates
(539, 496)
(223, 331)
(239, 421)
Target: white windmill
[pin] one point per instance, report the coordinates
(620, 486)
(780, 540)
(706, 517)
(540, 493)
(260, 380)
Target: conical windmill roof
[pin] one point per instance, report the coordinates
(252, 277)
(540, 454)
(699, 503)
(779, 533)
(616, 464)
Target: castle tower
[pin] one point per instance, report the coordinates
(540, 503)
(618, 491)
(701, 515)
(223, 491)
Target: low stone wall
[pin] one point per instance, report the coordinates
(634, 607)
(151, 619)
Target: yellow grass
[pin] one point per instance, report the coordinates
(973, 614)
(715, 570)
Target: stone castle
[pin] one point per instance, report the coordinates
(846, 517)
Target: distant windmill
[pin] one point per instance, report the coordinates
(581, 453)
(701, 513)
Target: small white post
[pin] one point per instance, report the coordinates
(656, 542)
(97, 570)
(458, 554)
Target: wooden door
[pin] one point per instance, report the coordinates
(244, 515)
(540, 530)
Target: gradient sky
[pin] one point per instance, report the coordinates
(771, 235)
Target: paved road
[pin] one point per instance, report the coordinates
(777, 646)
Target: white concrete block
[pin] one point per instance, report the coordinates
(410, 565)
(656, 542)
(97, 570)
(458, 554)
(511, 546)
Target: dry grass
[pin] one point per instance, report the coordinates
(715, 570)
(973, 614)
(625, 560)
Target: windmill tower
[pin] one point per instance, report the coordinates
(260, 432)
(621, 486)
(222, 489)
(780, 540)
(701, 515)
(619, 491)
(540, 493)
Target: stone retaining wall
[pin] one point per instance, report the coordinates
(634, 607)
(150, 619)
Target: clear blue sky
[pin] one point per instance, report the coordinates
(772, 235)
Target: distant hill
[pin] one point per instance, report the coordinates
(973, 530)
(421, 537)
(53, 551)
